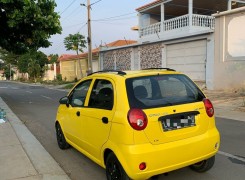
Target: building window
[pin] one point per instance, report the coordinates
(236, 38)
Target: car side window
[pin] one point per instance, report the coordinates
(78, 95)
(102, 95)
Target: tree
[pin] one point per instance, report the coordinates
(53, 58)
(1, 64)
(75, 42)
(8, 72)
(23, 63)
(27, 24)
(34, 69)
(8, 57)
(6, 60)
(32, 63)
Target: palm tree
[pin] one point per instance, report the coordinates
(75, 42)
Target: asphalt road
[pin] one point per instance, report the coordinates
(36, 106)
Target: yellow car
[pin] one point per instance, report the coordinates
(138, 124)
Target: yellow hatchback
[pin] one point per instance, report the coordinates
(138, 124)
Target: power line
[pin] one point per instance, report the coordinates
(73, 12)
(130, 17)
(54, 48)
(67, 7)
(60, 43)
(113, 23)
(82, 27)
(95, 2)
(74, 25)
(109, 18)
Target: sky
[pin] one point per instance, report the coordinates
(111, 20)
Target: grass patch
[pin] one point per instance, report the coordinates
(69, 86)
(55, 82)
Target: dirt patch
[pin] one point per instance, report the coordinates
(225, 95)
(242, 109)
(233, 99)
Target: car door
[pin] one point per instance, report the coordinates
(97, 116)
(73, 123)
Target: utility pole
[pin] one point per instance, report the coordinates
(89, 39)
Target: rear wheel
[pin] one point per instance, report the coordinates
(114, 170)
(204, 165)
(60, 137)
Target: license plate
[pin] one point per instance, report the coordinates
(178, 121)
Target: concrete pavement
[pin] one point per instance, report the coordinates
(23, 157)
(21, 154)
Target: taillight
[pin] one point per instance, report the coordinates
(209, 107)
(137, 119)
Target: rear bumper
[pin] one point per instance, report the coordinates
(169, 156)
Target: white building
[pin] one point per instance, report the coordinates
(199, 38)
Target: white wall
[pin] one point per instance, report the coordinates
(229, 53)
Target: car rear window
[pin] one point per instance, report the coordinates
(161, 90)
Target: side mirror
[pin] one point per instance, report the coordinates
(65, 101)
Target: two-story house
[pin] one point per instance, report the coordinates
(192, 36)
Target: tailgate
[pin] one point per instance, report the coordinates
(173, 123)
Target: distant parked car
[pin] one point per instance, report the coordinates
(138, 124)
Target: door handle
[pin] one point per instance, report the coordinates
(105, 120)
(78, 113)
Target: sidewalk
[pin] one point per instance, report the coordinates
(21, 155)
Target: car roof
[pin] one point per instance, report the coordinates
(134, 73)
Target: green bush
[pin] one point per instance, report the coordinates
(59, 77)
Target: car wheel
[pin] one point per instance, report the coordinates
(114, 169)
(60, 137)
(204, 165)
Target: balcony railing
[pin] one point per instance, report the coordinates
(178, 23)
(152, 29)
(203, 21)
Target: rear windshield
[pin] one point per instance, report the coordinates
(161, 90)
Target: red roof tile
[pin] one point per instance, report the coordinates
(121, 43)
(67, 57)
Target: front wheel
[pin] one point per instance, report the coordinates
(60, 137)
(204, 165)
(114, 170)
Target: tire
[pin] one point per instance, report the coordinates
(114, 170)
(60, 137)
(204, 165)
